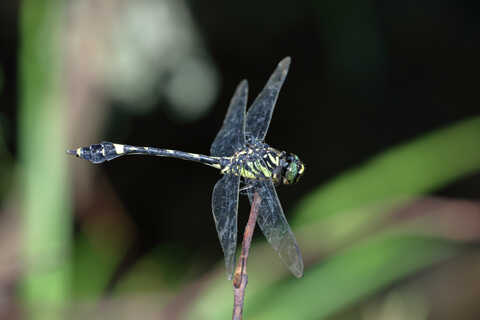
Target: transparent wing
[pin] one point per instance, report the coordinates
(260, 113)
(274, 226)
(231, 136)
(225, 209)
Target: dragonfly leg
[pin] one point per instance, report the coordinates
(245, 187)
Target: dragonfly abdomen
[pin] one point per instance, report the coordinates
(106, 151)
(98, 153)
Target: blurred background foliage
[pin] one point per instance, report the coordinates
(381, 103)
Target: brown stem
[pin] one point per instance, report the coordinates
(240, 278)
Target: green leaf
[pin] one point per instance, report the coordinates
(417, 167)
(348, 277)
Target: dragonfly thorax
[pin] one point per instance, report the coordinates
(260, 162)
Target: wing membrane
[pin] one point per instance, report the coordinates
(225, 209)
(260, 113)
(274, 226)
(231, 136)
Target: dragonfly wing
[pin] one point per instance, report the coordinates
(231, 136)
(260, 113)
(274, 226)
(225, 209)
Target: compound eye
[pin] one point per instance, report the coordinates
(292, 173)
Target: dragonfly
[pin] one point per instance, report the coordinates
(248, 166)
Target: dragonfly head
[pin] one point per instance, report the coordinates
(293, 169)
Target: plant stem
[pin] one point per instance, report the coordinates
(240, 278)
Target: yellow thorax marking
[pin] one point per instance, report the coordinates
(226, 169)
(302, 168)
(252, 167)
(273, 159)
(247, 174)
(267, 173)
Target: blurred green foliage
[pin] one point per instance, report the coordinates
(417, 167)
(349, 276)
(45, 194)
(6, 167)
